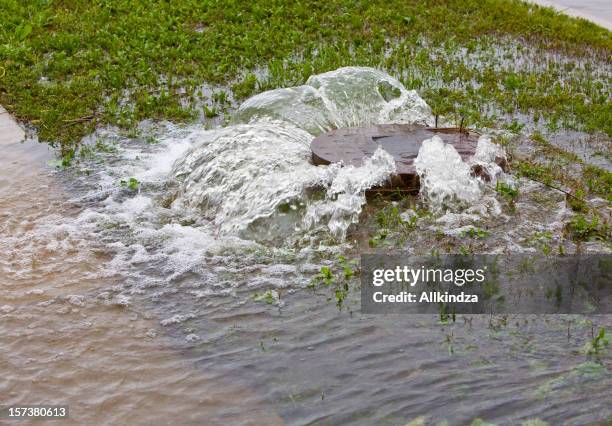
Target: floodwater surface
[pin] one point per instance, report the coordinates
(170, 282)
(109, 363)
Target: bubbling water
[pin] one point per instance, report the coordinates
(448, 183)
(254, 178)
(346, 194)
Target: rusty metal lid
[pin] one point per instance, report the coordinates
(402, 141)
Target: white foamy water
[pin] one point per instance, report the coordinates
(448, 183)
(255, 179)
(218, 202)
(445, 178)
(487, 155)
(345, 195)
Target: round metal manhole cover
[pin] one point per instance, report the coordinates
(402, 141)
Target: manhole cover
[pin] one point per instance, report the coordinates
(402, 141)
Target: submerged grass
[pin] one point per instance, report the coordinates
(68, 66)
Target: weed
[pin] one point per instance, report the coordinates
(268, 297)
(339, 276)
(131, 183)
(445, 316)
(123, 61)
(378, 238)
(542, 240)
(576, 201)
(583, 229)
(391, 223)
(210, 112)
(325, 276)
(465, 250)
(598, 181)
(507, 191)
(246, 87)
(474, 232)
(598, 343)
(514, 126)
(67, 158)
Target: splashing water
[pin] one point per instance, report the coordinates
(447, 182)
(346, 97)
(254, 178)
(346, 194)
(256, 181)
(445, 178)
(488, 155)
(242, 174)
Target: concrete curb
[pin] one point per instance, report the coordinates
(581, 9)
(10, 131)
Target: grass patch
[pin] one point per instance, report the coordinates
(68, 66)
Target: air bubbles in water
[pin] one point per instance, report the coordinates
(445, 178)
(255, 179)
(346, 194)
(450, 184)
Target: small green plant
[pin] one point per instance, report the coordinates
(67, 158)
(514, 126)
(507, 191)
(338, 276)
(391, 223)
(378, 238)
(599, 342)
(474, 232)
(542, 240)
(220, 97)
(246, 87)
(103, 147)
(598, 181)
(445, 316)
(347, 267)
(341, 294)
(210, 112)
(465, 250)
(583, 229)
(131, 183)
(542, 173)
(268, 297)
(325, 276)
(576, 201)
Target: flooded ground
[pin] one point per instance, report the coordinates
(166, 279)
(109, 363)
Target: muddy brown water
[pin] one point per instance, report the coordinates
(109, 364)
(184, 354)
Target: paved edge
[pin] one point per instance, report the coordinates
(575, 13)
(10, 131)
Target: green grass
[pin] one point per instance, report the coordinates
(68, 66)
